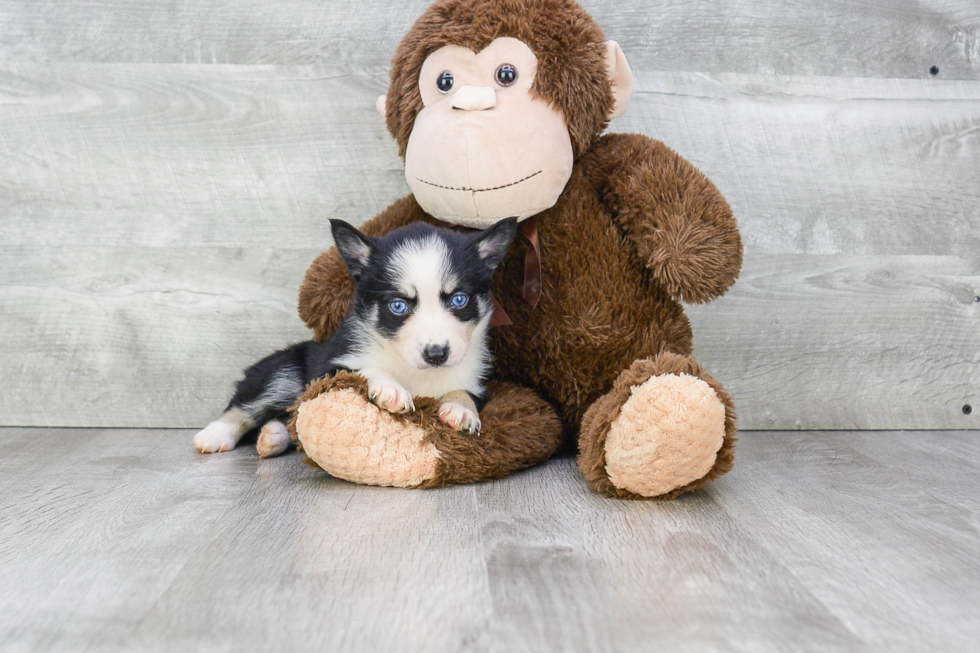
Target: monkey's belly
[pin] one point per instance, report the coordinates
(600, 309)
(574, 344)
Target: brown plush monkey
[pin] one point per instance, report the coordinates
(498, 107)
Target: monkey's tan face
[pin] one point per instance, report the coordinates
(483, 149)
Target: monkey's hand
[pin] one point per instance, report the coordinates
(677, 220)
(327, 292)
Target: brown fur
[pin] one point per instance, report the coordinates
(675, 218)
(596, 423)
(519, 431)
(567, 42)
(636, 230)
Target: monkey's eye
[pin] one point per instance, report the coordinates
(398, 307)
(506, 75)
(445, 82)
(460, 300)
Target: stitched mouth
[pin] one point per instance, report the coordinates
(481, 190)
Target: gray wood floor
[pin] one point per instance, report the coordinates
(129, 540)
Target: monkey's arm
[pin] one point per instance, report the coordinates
(672, 214)
(328, 289)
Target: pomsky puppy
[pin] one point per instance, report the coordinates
(419, 326)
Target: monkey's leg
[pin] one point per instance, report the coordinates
(343, 433)
(665, 428)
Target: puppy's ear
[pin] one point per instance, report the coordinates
(492, 244)
(354, 247)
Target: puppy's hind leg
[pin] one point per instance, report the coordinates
(223, 433)
(273, 439)
(268, 388)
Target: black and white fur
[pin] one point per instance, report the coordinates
(409, 334)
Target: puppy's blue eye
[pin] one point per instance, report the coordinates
(398, 307)
(460, 300)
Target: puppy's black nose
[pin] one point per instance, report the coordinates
(435, 355)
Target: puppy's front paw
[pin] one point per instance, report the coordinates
(460, 418)
(391, 396)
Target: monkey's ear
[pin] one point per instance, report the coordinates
(621, 77)
(381, 105)
(354, 247)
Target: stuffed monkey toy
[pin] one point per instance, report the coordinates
(498, 109)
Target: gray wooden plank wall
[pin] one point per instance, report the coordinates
(167, 170)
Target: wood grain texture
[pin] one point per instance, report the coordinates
(828, 165)
(187, 155)
(899, 38)
(130, 540)
(859, 342)
(156, 221)
(857, 490)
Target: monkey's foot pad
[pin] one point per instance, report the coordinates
(346, 435)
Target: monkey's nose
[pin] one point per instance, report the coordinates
(435, 355)
(475, 98)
